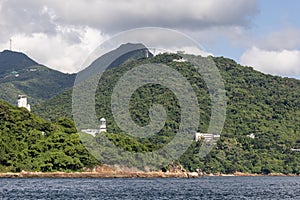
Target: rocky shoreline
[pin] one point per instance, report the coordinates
(107, 171)
(123, 175)
(97, 175)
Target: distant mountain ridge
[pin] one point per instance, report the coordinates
(14, 61)
(116, 57)
(19, 74)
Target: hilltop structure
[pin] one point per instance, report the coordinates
(22, 102)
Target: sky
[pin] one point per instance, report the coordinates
(61, 34)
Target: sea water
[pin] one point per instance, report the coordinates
(156, 188)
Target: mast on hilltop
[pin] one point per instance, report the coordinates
(10, 44)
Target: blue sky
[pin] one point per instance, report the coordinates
(60, 34)
(273, 16)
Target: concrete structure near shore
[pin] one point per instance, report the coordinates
(94, 132)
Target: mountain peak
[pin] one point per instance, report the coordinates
(115, 58)
(11, 60)
(129, 51)
(132, 46)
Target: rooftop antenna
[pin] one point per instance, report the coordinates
(10, 44)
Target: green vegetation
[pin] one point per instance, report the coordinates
(30, 143)
(263, 155)
(268, 106)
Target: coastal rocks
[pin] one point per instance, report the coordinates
(109, 173)
(93, 175)
(103, 171)
(192, 175)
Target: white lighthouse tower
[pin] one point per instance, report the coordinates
(22, 102)
(102, 125)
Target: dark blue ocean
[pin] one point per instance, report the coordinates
(138, 188)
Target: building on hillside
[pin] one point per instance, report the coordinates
(22, 102)
(295, 150)
(94, 132)
(180, 60)
(15, 74)
(252, 136)
(206, 136)
(102, 125)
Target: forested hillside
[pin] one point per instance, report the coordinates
(267, 106)
(30, 143)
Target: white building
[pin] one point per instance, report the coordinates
(22, 102)
(296, 150)
(252, 136)
(93, 132)
(102, 125)
(206, 136)
(180, 60)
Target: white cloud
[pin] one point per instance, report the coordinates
(277, 53)
(25, 17)
(119, 15)
(57, 33)
(213, 36)
(283, 62)
(288, 38)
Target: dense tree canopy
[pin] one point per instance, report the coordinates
(30, 143)
(267, 106)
